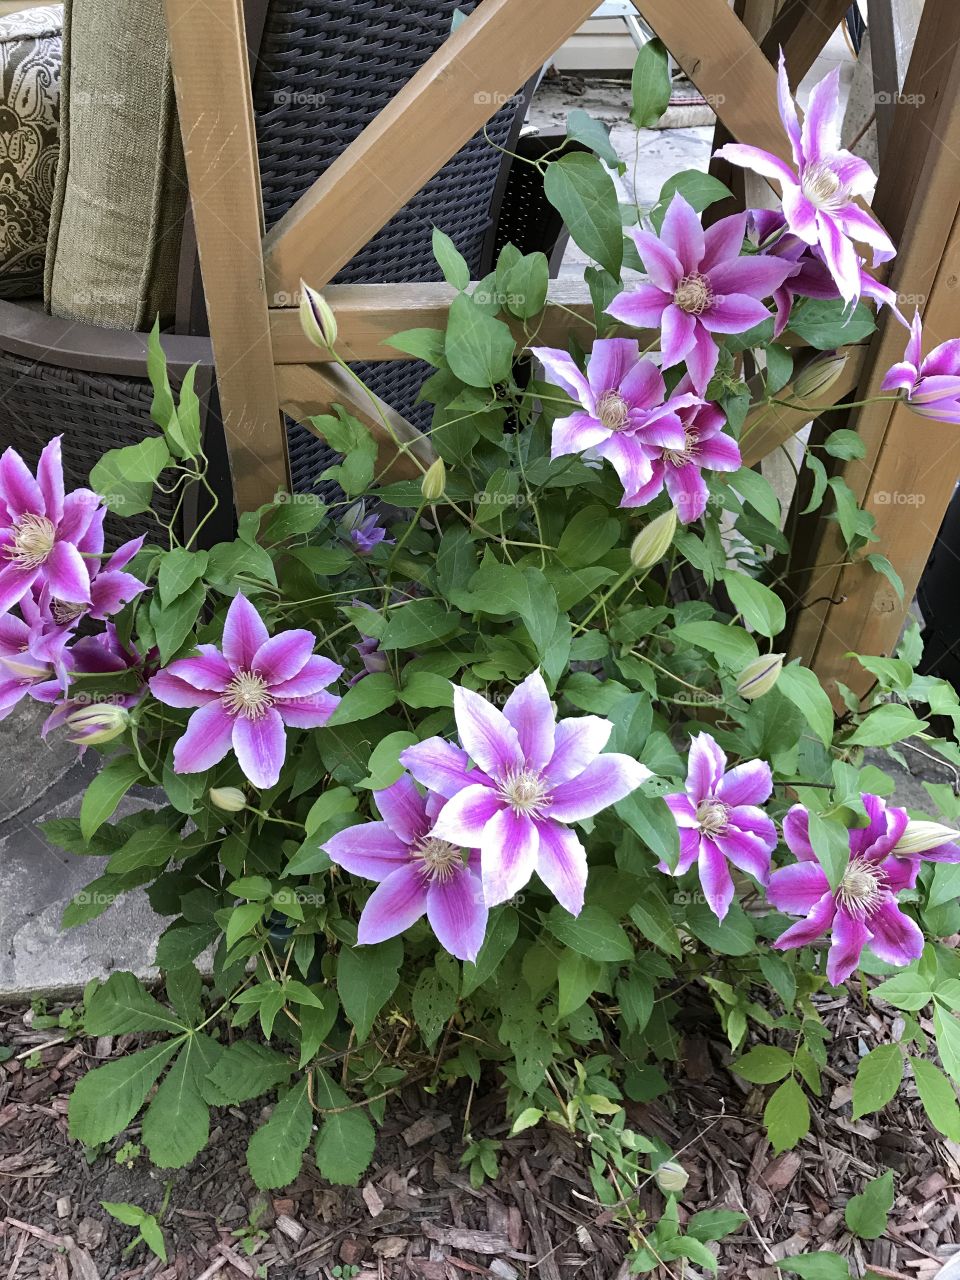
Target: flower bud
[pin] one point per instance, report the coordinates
(91, 725)
(819, 375)
(652, 543)
(671, 1177)
(921, 837)
(316, 317)
(229, 799)
(759, 677)
(434, 481)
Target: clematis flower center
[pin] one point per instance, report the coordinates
(861, 888)
(689, 453)
(712, 817)
(64, 612)
(823, 188)
(440, 860)
(613, 411)
(693, 294)
(247, 695)
(526, 792)
(33, 540)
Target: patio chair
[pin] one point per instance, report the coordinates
(321, 71)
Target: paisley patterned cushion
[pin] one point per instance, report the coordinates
(30, 54)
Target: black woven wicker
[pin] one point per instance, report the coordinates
(326, 68)
(94, 413)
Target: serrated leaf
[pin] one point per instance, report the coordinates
(105, 1100)
(176, 1124)
(346, 1139)
(594, 933)
(245, 1070)
(816, 1266)
(433, 1003)
(275, 1152)
(122, 1004)
(764, 1064)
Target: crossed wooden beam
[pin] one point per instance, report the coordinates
(251, 281)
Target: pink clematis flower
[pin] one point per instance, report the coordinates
(246, 694)
(98, 655)
(700, 284)
(624, 411)
(819, 195)
(532, 776)
(812, 278)
(863, 911)
(931, 383)
(34, 658)
(719, 821)
(704, 446)
(417, 872)
(45, 536)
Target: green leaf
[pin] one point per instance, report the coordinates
(105, 1100)
(176, 1125)
(831, 844)
(275, 1153)
(890, 722)
(594, 933)
(845, 444)
(653, 822)
(131, 1215)
(243, 1071)
(938, 1096)
(125, 478)
(800, 686)
(346, 1139)
(866, 1214)
(907, 991)
(173, 623)
(153, 1236)
(122, 1004)
(479, 348)
(582, 191)
(882, 565)
(333, 802)
(577, 978)
(652, 918)
(451, 262)
(179, 570)
(635, 994)
(878, 1079)
(758, 491)
(106, 791)
(700, 190)
(151, 845)
(366, 979)
(735, 935)
(947, 1030)
(765, 1064)
(816, 1266)
(368, 698)
(714, 1224)
(501, 934)
(732, 647)
(433, 1003)
(760, 607)
(424, 344)
(594, 134)
(418, 623)
(821, 323)
(650, 85)
(525, 286)
(786, 1116)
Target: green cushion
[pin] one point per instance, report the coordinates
(29, 105)
(114, 248)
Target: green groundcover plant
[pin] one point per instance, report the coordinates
(457, 785)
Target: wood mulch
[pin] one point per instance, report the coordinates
(416, 1215)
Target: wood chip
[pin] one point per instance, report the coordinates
(372, 1199)
(290, 1228)
(426, 1127)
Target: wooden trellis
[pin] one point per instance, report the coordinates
(265, 365)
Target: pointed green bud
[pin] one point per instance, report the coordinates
(921, 837)
(316, 317)
(434, 482)
(229, 799)
(817, 377)
(759, 677)
(652, 543)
